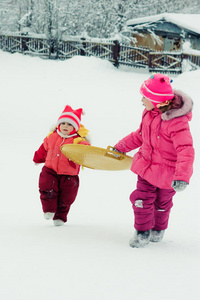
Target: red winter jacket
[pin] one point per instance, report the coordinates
(50, 153)
(165, 144)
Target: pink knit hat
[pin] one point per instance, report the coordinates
(157, 89)
(71, 116)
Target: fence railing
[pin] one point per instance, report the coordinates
(165, 62)
(117, 53)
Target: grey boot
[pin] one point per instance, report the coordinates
(156, 235)
(140, 239)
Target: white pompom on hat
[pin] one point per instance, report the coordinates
(71, 116)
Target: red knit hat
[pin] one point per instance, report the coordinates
(71, 116)
(157, 89)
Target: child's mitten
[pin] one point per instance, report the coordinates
(179, 185)
(115, 150)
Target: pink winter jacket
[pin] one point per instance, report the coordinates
(165, 144)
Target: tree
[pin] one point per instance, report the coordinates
(94, 18)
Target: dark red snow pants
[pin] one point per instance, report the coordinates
(57, 192)
(151, 206)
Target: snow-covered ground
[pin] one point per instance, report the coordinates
(88, 258)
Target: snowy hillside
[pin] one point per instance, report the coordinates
(88, 258)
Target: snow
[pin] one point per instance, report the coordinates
(187, 49)
(89, 257)
(187, 21)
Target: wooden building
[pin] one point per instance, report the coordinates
(172, 29)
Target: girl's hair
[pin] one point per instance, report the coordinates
(165, 108)
(175, 103)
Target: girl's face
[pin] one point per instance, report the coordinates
(147, 103)
(66, 128)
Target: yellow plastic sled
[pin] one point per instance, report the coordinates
(97, 158)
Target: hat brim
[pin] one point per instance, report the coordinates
(154, 97)
(70, 121)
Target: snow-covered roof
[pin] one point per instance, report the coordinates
(190, 22)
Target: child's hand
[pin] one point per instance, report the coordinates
(115, 150)
(179, 185)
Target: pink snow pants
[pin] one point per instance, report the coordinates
(57, 192)
(151, 206)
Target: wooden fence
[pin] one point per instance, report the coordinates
(118, 54)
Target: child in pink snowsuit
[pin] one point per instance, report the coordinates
(164, 162)
(59, 181)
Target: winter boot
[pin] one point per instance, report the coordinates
(156, 235)
(140, 239)
(49, 215)
(58, 222)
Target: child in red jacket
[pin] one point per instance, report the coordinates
(164, 161)
(59, 181)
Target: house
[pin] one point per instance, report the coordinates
(172, 29)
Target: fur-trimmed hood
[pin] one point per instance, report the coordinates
(185, 109)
